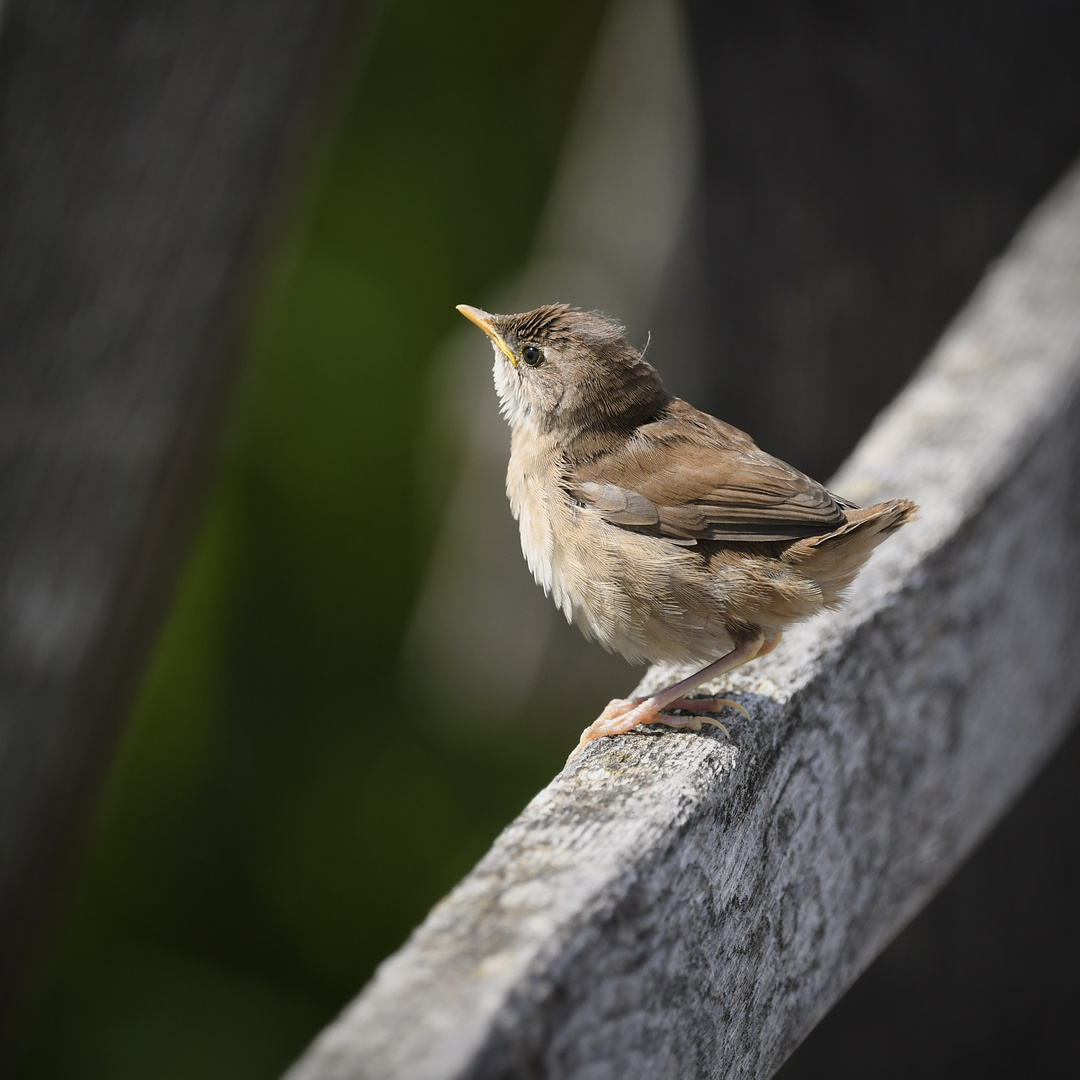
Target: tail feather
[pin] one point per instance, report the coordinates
(834, 558)
(876, 521)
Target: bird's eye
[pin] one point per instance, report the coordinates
(531, 355)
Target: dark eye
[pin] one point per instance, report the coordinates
(531, 355)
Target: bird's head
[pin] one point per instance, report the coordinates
(567, 372)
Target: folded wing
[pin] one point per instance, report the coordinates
(688, 476)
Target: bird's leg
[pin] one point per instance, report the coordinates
(622, 714)
(715, 704)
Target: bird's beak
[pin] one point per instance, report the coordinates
(483, 320)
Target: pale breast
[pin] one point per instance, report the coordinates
(533, 505)
(640, 596)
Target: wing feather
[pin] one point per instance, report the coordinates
(688, 476)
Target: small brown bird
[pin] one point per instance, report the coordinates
(662, 532)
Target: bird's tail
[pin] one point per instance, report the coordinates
(834, 558)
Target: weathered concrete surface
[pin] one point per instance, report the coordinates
(675, 905)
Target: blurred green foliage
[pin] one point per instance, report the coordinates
(281, 814)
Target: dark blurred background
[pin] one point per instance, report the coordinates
(357, 684)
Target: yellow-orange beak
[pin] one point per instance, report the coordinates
(482, 319)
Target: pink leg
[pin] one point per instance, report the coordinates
(622, 714)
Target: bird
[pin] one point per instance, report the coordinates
(662, 532)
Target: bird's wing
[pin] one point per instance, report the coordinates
(689, 477)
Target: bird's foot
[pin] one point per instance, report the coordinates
(706, 704)
(622, 714)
